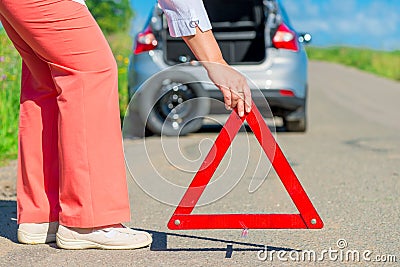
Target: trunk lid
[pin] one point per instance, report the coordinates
(238, 26)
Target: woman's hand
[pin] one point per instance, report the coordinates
(232, 84)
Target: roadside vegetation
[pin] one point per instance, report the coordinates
(385, 64)
(10, 74)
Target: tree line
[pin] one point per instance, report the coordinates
(111, 15)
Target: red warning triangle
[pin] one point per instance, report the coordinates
(182, 219)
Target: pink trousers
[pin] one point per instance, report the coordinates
(71, 165)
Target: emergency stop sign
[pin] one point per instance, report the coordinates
(182, 219)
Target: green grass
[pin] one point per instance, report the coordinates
(121, 45)
(10, 74)
(385, 64)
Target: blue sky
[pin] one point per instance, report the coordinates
(366, 23)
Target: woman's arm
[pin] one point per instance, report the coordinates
(232, 84)
(188, 19)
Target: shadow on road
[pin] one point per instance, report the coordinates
(8, 222)
(160, 243)
(214, 128)
(8, 229)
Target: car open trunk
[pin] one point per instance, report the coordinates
(238, 26)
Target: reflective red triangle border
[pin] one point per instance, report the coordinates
(308, 218)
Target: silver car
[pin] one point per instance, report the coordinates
(255, 37)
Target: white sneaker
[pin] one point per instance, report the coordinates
(103, 238)
(37, 233)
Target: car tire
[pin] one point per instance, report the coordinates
(297, 121)
(171, 103)
(296, 126)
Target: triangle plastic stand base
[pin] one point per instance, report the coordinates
(182, 219)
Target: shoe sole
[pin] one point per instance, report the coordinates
(66, 243)
(34, 239)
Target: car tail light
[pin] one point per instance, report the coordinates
(285, 38)
(145, 41)
(285, 92)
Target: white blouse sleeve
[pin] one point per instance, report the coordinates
(184, 15)
(80, 2)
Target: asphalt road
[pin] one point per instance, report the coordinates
(348, 162)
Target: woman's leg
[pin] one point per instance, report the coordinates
(38, 167)
(62, 33)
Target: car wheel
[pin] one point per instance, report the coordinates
(296, 126)
(296, 121)
(170, 103)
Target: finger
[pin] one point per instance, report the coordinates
(240, 107)
(227, 97)
(247, 99)
(234, 99)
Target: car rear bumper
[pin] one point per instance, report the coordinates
(277, 103)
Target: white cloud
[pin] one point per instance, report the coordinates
(292, 7)
(314, 25)
(304, 8)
